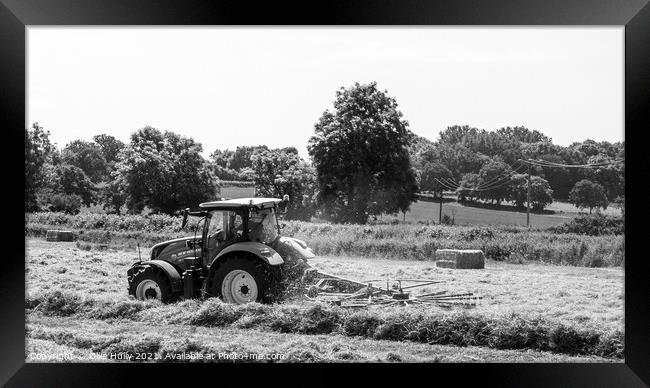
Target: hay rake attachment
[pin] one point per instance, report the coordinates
(351, 293)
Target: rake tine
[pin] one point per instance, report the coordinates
(454, 296)
(433, 293)
(419, 285)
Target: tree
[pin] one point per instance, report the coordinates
(611, 176)
(457, 158)
(361, 158)
(586, 194)
(467, 184)
(67, 203)
(494, 179)
(279, 172)
(163, 171)
(221, 158)
(87, 156)
(620, 203)
(241, 158)
(523, 135)
(38, 152)
(109, 146)
(418, 145)
(541, 194)
(66, 180)
(434, 177)
(236, 165)
(111, 194)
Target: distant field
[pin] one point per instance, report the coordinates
(468, 215)
(237, 192)
(564, 207)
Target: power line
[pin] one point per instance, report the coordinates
(492, 187)
(491, 184)
(500, 178)
(544, 163)
(498, 181)
(451, 183)
(447, 186)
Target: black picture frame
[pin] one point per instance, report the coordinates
(16, 15)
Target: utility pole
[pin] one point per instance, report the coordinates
(531, 162)
(440, 211)
(528, 200)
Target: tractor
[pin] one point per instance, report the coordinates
(240, 255)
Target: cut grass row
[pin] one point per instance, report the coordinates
(85, 340)
(398, 324)
(408, 242)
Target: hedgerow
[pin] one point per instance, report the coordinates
(592, 225)
(401, 242)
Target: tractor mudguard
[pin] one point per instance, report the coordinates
(266, 253)
(174, 277)
(289, 246)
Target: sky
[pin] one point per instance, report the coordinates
(232, 86)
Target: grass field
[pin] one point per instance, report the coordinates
(237, 192)
(582, 298)
(422, 211)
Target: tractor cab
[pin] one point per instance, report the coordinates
(237, 220)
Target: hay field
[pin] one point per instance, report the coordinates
(100, 317)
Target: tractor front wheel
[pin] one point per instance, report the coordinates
(240, 280)
(150, 283)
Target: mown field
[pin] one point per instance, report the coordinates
(77, 305)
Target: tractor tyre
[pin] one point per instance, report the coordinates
(151, 283)
(242, 280)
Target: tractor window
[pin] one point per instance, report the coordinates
(225, 225)
(216, 222)
(263, 226)
(233, 225)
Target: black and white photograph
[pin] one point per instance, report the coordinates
(325, 194)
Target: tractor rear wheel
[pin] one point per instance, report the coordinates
(241, 280)
(151, 283)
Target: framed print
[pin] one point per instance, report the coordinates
(375, 189)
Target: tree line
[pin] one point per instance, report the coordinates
(486, 166)
(364, 161)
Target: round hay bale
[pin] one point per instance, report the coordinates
(59, 235)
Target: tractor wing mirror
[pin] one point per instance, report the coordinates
(285, 202)
(185, 212)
